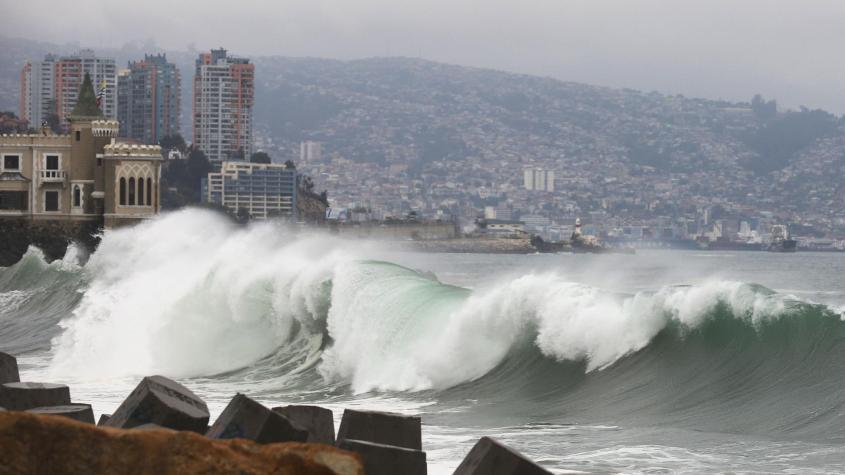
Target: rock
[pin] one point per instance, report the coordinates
(38, 444)
(382, 459)
(318, 421)
(23, 396)
(244, 418)
(161, 401)
(491, 457)
(77, 412)
(103, 419)
(8, 369)
(382, 428)
(150, 426)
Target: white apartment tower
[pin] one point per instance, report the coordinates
(310, 152)
(537, 179)
(223, 99)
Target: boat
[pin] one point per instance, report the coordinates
(781, 241)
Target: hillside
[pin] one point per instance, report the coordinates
(401, 134)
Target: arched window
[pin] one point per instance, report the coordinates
(149, 191)
(123, 192)
(132, 191)
(140, 191)
(77, 196)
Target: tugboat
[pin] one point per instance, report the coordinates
(589, 244)
(781, 241)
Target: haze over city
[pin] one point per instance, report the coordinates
(714, 49)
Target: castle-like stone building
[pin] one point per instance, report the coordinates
(87, 177)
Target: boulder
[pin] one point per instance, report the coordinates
(103, 419)
(382, 459)
(161, 401)
(381, 428)
(244, 418)
(318, 421)
(77, 412)
(23, 396)
(32, 443)
(491, 457)
(8, 369)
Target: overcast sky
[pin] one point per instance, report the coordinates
(790, 50)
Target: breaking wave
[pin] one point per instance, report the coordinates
(189, 295)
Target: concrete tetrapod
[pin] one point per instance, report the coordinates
(164, 402)
(244, 418)
(318, 421)
(23, 396)
(78, 412)
(491, 457)
(383, 459)
(382, 428)
(8, 369)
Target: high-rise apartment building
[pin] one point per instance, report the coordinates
(537, 179)
(148, 94)
(310, 152)
(223, 99)
(51, 86)
(261, 190)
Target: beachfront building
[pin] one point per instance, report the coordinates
(51, 86)
(257, 190)
(223, 99)
(148, 95)
(87, 175)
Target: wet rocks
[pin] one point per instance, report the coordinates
(164, 402)
(317, 421)
(491, 457)
(383, 459)
(8, 369)
(37, 444)
(382, 428)
(244, 418)
(78, 412)
(23, 396)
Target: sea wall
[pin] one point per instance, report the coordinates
(396, 231)
(51, 236)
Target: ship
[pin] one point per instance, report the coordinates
(781, 241)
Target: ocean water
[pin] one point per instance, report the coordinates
(661, 362)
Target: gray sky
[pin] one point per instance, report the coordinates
(790, 50)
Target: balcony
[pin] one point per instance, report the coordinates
(53, 176)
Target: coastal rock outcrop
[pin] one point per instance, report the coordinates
(45, 444)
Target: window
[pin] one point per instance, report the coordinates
(141, 191)
(11, 163)
(51, 201)
(78, 135)
(149, 191)
(123, 192)
(51, 162)
(132, 192)
(77, 196)
(13, 201)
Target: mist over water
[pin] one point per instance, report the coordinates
(577, 360)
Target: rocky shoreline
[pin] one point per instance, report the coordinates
(162, 428)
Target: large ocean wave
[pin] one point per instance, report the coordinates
(189, 295)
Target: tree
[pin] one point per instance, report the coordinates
(290, 165)
(237, 155)
(764, 110)
(174, 141)
(260, 157)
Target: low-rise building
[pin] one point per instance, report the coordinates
(259, 190)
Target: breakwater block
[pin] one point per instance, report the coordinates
(77, 412)
(318, 421)
(8, 369)
(103, 419)
(161, 401)
(383, 459)
(491, 457)
(382, 428)
(23, 396)
(150, 426)
(244, 418)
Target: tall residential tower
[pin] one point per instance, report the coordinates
(148, 96)
(223, 99)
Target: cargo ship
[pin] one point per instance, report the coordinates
(781, 241)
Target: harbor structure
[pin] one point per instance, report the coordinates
(222, 111)
(148, 95)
